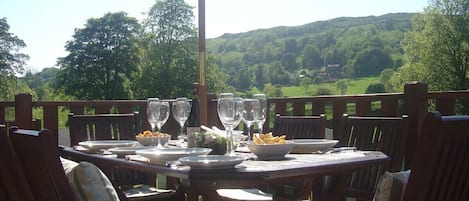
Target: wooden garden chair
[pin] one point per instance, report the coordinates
(386, 134)
(440, 169)
(300, 127)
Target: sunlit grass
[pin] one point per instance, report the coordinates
(356, 86)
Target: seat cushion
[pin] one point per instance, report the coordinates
(391, 186)
(89, 183)
(68, 165)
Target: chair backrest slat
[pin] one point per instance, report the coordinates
(39, 156)
(386, 134)
(300, 127)
(440, 170)
(14, 184)
(103, 127)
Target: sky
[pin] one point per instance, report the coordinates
(46, 25)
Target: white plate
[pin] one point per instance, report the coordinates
(122, 151)
(106, 144)
(312, 145)
(161, 156)
(212, 161)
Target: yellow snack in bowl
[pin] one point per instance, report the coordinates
(148, 133)
(269, 139)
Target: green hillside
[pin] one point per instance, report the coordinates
(322, 51)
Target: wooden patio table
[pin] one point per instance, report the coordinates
(248, 174)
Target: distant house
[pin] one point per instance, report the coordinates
(333, 72)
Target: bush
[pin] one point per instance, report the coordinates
(323, 91)
(375, 88)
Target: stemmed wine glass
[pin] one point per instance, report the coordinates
(225, 95)
(181, 110)
(158, 113)
(250, 113)
(229, 111)
(262, 110)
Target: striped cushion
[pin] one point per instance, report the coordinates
(391, 186)
(90, 183)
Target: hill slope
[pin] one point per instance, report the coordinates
(351, 46)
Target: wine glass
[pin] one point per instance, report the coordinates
(225, 95)
(250, 114)
(262, 110)
(181, 109)
(151, 114)
(229, 111)
(158, 113)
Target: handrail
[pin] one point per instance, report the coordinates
(415, 101)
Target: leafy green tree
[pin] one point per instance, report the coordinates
(371, 61)
(323, 91)
(273, 90)
(244, 80)
(342, 85)
(102, 57)
(305, 83)
(278, 75)
(11, 60)
(260, 76)
(289, 61)
(385, 79)
(291, 46)
(334, 56)
(170, 63)
(312, 57)
(436, 50)
(375, 88)
(215, 79)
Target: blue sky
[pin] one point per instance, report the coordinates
(46, 25)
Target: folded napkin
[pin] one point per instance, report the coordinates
(137, 158)
(145, 190)
(146, 160)
(87, 150)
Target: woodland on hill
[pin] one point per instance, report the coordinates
(318, 52)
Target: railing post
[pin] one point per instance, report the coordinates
(24, 111)
(51, 120)
(415, 107)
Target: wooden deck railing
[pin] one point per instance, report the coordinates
(415, 101)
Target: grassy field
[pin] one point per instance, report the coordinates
(355, 86)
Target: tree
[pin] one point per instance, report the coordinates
(375, 88)
(371, 61)
(278, 75)
(216, 80)
(312, 57)
(305, 82)
(289, 61)
(342, 85)
(102, 58)
(320, 91)
(437, 50)
(244, 80)
(385, 79)
(273, 90)
(11, 60)
(260, 76)
(170, 63)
